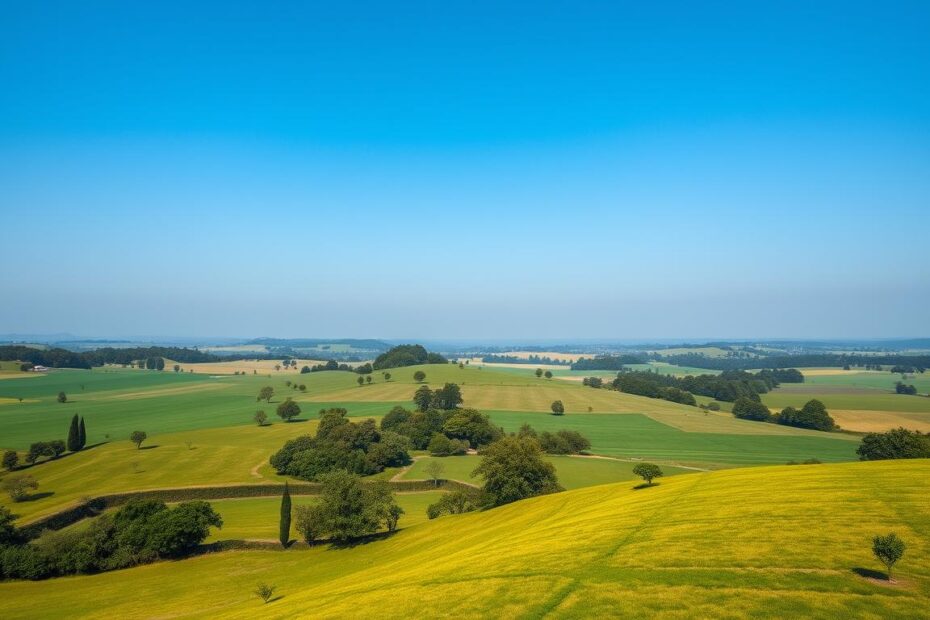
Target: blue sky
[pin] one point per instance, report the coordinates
(465, 170)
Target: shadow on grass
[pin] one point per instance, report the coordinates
(868, 573)
(358, 542)
(148, 447)
(295, 420)
(275, 598)
(26, 466)
(32, 497)
(645, 485)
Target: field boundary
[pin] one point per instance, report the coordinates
(93, 506)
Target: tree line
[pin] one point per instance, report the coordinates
(407, 355)
(728, 386)
(63, 358)
(608, 362)
(805, 360)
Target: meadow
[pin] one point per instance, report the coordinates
(772, 542)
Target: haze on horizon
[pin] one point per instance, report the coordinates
(465, 170)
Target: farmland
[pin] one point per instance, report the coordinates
(673, 548)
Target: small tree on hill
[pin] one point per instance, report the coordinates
(360, 381)
(284, 525)
(265, 591)
(265, 393)
(177, 368)
(137, 437)
(367, 378)
(557, 407)
(888, 549)
(74, 439)
(288, 410)
(648, 472)
(434, 469)
(387, 376)
(10, 460)
(539, 373)
(513, 468)
(419, 376)
(62, 397)
(260, 417)
(548, 374)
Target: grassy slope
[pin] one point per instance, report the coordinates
(763, 542)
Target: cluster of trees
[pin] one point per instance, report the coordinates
(513, 468)
(339, 444)
(362, 369)
(348, 509)
(77, 439)
(443, 433)
(540, 373)
(559, 442)
(152, 363)
(727, 386)
(901, 388)
(57, 357)
(595, 382)
(899, 443)
(455, 502)
(608, 362)
(906, 369)
(812, 415)
(446, 398)
(142, 531)
(532, 359)
(407, 355)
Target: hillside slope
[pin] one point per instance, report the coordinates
(763, 542)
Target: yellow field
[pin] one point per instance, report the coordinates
(865, 421)
(833, 372)
(772, 542)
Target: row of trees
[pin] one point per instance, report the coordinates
(901, 388)
(142, 531)
(57, 357)
(812, 415)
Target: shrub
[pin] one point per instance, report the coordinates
(62, 397)
(263, 590)
(455, 502)
(308, 522)
(440, 445)
(748, 409)
(419, 376)
(260, 417)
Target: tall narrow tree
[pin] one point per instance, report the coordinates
(82, 433)
(284, 533)
(74, 435)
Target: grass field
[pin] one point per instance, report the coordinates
(773, 542)
(573, 472)
(261, 367)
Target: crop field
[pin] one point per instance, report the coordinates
(261, 367)
(684, 547)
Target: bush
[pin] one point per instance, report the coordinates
(455, 502)
(62, 397)
(747, 409)
(440, 445)
(263, 590)
(564, 442)
(899, 443)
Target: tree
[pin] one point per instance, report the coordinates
(302, 387)
(10, 460)
(548, 374)
(899, 443)
(648, 472)
(440, 445)
(308, 523)
(513, 468)
(387, 376)
(284, 524)
(419, 376)
(260, 417)
(557, 408)
(7, 529)
(368, 379)
(423, 397)
(349, 508)
(57, 447)
(74, 439)
(265, 393)
(265, 591)
(361, 381)
(82, 433)
(539, 373)
(434, 469)
(137, 437)
(457, 502)
(447, 398)
(288, 410)
(159, 363)
(177, 368)
(472, 426)
(18, 487)
(748, 409)
(813, 415)
(888, 549)
(62, 397)
(392, 515)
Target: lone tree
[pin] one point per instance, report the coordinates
(284, 525)
(137, 437)
(538, 373)
(265, 393)
(361, 380)
(177, 368)
(513, 468)
(260, 417)
(265, 592)
(62, 397)
(18, 487)
(557, 407)
(434, 469)
(367, 378)
(648, 472)
(74, 438)
(10, 460)
(888, 549)
(82, 433)
(419, 376)
(387, 376)
(288, 410)
(548, 374)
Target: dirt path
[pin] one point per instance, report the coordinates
(396, 477)
(615, 458)
(254, 470)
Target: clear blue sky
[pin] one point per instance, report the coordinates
(465, 170)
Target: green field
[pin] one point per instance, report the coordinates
(774, 542)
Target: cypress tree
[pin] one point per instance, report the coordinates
(284, 533)
(82, 434)
(74, 439)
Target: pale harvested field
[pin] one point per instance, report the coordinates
(476, 361)
(539, 398)
(261, 367)
(833, 372)
(865, 421)
(158, 392)
(19, 375)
